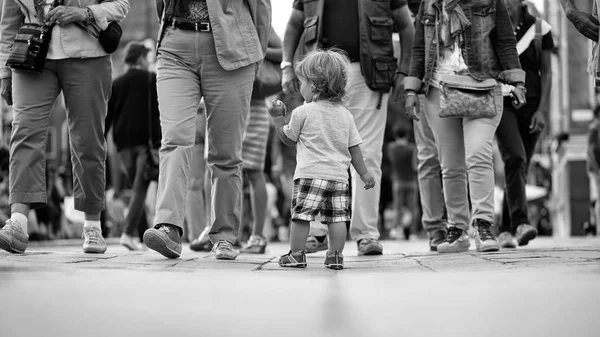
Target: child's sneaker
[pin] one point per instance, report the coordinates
(294, 260)
(335, 261)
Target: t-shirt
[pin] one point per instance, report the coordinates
(337, 32)
(323, 131)
(403, 157)
(529, 58)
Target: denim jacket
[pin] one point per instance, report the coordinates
(240, 28)
(489, 44)
(75, 41)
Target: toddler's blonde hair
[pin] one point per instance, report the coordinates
(327, 71)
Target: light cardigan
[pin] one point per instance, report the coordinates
(68, 41)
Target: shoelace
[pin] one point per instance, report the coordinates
(224, 244)
(165, 229)
(484, 231)
(93, 235)
(453, 234)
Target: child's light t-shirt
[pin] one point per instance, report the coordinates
(323, 131)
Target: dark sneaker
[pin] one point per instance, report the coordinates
(12, 238)
(485, 241)
(456, 241)
(293, 260)
(436, 238)
(369, 247)
(525, 233)
(507, 240)
(93, 242)
(313, 245)
(335, 261)
(257, 244)
(224, 250)
(164, 239)
(199, 245)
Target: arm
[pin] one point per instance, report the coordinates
(108, 11)
(160, 7)
(546, 75)
(280, 122)
(274, 48)
(11, 20)
(505, 45)
(293, 32)
(592, 160)
(360, 167)
(263, 22)
(585, 23)
(417, 63)
(406, 31)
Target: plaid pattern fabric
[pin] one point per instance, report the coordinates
(313, 196)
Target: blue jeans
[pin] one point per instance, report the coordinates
(188, 69)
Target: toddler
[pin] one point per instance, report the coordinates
(327, 142)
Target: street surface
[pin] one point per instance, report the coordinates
(550, 288)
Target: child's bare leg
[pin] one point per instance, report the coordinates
(337, 237)
(298, 235)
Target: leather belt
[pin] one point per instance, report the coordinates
(200, 26)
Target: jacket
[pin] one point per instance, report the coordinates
(76, 42)
(489, 44)
(240, 29)
(377, 62)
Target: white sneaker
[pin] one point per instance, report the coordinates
(93, 241)
(130, 242)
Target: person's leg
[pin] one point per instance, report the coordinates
(33, 97)
(429, 177)
(178, 89)
(195, 209)
(227, 98)
(337, 237)
(258, 191)
(478, 140)
(86, 85)
(369, 109)
(139, 157)
(449, 139)
(298, 234)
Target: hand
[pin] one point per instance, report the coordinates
(6, 90)
(537, 122)
(368, 179)
(277, 109)
(289, 81)
(585, 23)
(412, 106)
(518, 96)
(398, 88)
(64, 15)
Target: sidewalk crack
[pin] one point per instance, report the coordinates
(422, 265)
(264, 263)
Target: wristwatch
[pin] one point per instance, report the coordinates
(285, 64)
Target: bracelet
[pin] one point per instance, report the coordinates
(90, 16)
(411, 93)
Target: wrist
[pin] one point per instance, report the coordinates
(286, 64)
(410, 92)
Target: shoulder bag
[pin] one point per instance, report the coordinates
(465, 97)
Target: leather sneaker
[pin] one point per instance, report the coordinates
(257, 244)
(224, 250)
(164, 239)
(525, 233)
(456, 241)
(436, 238)
(507, 240)
(369, 247)
(201, 245)
(485, 241)
(93, 242)
(12, 238)
(313, 245)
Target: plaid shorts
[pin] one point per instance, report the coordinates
(329, 198)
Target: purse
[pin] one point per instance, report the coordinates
(109, 39)
(268, 80)
(463, 96)
(30, 47)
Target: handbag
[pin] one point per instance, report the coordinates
(268, 80)
(30, 47)
(464, 96)
(109, 39)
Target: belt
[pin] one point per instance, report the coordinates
(200, 26)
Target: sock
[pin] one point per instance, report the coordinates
(320, 238)
(92, 224)
(21, 219)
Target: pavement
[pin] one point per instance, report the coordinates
(549, 288)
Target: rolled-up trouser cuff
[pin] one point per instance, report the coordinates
(34, 200)
(90, 208)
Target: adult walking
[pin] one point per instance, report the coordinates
(519, 131)
(589, 26)
(78, 67)
(363, 29)
(210, 49)
(133, 117)
(470, 41)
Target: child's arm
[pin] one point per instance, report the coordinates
(277, 112)
(360, 167)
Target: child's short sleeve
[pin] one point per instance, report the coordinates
(294, 127)
(353, 136)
